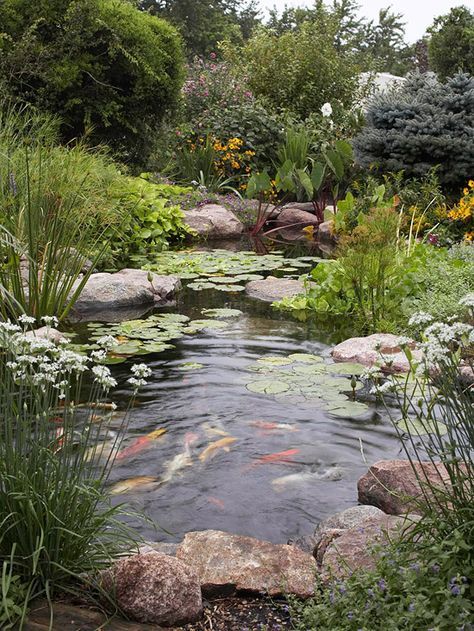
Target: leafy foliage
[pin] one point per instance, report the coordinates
(421, 125)
(451, 46)
(110, 70)
(299, 71)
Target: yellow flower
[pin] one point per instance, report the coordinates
(471, 183)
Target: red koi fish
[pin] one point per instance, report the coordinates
(280, 457)
(140, 443)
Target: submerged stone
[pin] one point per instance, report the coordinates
(272, 288)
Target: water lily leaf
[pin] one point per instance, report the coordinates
(201, 285)
(129, 348)
(208, 324)
(154, 347)
(268, 387)
(347, 408)
(417, 428)
(230, 288)
(307, 358)
(190, 366)
(114, 359)
(274, 361)
(307, 370)
(347, 368)
(222, 313)
(171, 317)
(248, 277)
(224, 280)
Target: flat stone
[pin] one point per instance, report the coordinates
(290, 216)
(380, 348)
(352, 549)
(393, 486)
(155, 588)
(127, 288)
(158, 546)
(271, 288)
(47, 333)
(350, 518)
(213, 221)
(226, 563)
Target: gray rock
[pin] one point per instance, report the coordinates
(226, 563)
(326, 231)
(291, 215)
(47, 333)
(380, 348)
(127, 288)
(306, 206)
(271, 289)
(159, 546)
(213, 221)
(352, 549)
(155, 588)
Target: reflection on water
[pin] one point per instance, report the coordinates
(232, 459)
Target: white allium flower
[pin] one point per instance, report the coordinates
(467, 300)
(50, 321)
(136, 383)
(98, 356)
(141, 370)
(103, 377)
(8, 327)
(388, 386)
(420, 318)
(371, 372)
(404, 341)
(326, 110)
(26, 319)
(107, 341)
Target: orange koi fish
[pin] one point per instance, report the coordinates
(269, 426)
(217, 502)
(280, 457)
(223, 443)
(140, 443)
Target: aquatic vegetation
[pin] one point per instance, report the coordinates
(190, 366)
(243, 265)
(143, 337)
(222, 313)
(308, 376)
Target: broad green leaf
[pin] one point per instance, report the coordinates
(268, 387)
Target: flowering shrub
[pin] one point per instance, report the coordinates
(57, 524)
(463, 213)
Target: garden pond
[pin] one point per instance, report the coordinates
(246, 424)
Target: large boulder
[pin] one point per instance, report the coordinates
(47, 333)
(297, 217)
(352, 549)
(213, 221)
(155, 588)
(381, 348)
(326, 231)
(127, 288)
(226, 563)
(394, 487)
(272, 288)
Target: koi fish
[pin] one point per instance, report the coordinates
(210, 450)
(180, 461)
(333, 473)
(217, 502)
(140, 443)
(189, 439)
(213, 431)
(269, 426)
(280, 457)
(132, 483)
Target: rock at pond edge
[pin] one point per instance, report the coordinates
(271, 288)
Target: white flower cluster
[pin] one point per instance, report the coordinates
(140, 372)
(388, 386)
(104, 377)
(326, 110)
(420, 319)
(467, 301)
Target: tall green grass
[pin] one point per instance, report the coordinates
(55, 210)
(58, 528)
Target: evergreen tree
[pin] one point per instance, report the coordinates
(451, 48)
(421, 125)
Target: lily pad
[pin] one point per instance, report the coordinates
(316, 369)
(347, 368)
(274, 361)
(230, 288)
(306, 358)
(190, 366)
(347, 408)
(208, 324)
(268, 387)
(417, 428)
(222, 313)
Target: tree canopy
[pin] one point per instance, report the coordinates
(451, 47)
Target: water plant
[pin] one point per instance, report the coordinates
(58, 527)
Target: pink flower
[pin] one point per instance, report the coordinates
(213, 56)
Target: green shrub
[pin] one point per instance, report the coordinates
(108, 69)
(150, 222)
(409, 590)
(451, 45)
(298, 71)
(421, 125)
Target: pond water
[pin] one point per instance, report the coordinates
(253, 460)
